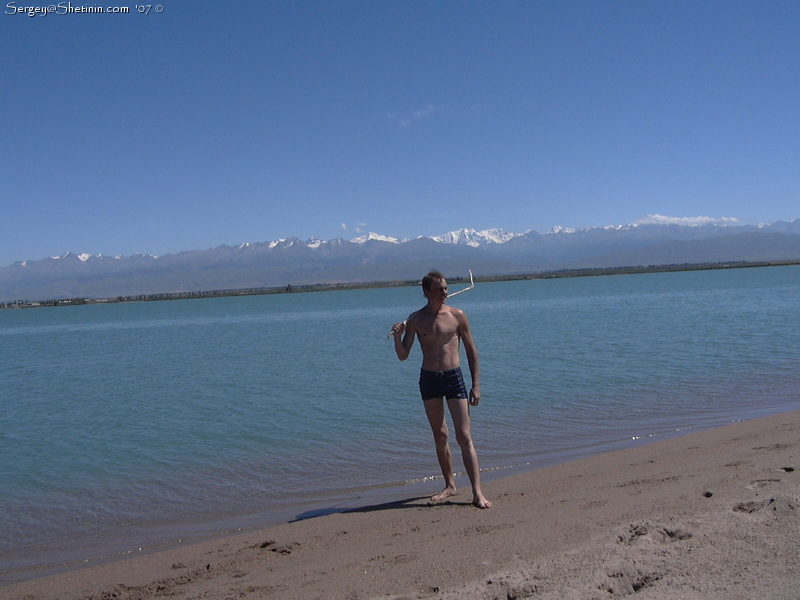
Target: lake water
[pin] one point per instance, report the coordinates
(128, 426)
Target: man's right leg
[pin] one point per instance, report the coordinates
(434, 409)
(459, 410)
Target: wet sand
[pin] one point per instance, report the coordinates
(714, 514)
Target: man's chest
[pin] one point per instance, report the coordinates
(441, 326)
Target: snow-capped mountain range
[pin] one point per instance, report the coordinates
(376, 257)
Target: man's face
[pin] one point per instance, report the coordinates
(438, 291)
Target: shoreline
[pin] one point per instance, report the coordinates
(125, 542)
(343, 286)
(722, 492)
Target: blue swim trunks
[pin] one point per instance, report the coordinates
(438, 384)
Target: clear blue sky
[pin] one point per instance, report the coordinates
(227, 122)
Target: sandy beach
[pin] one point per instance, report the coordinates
(714, 514)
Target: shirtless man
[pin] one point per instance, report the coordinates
(440, 330)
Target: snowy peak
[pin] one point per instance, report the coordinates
(284, 243)
(470, 237)
(375, 237)
(84, 257)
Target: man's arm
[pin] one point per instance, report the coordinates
(402, 346)
(472, 357)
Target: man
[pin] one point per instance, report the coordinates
(440, 330)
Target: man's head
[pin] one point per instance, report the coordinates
(434, 286)
(428, 280)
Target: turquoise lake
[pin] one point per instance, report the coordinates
(128, 426)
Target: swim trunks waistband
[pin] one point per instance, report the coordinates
(442, 373)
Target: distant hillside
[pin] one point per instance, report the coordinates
(379, 258)
(749, 247)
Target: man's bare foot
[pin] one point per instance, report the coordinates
(445, 493)
(481, 502)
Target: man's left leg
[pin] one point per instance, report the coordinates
(434, 409)
(459, 411)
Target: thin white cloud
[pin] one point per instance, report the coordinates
(358, 228)
(691, 221)
(414, 116)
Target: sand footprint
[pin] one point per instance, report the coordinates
(779, 505)
(625, 580)
(758, 484)
(648, 532)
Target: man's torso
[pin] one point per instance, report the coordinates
(438, 337)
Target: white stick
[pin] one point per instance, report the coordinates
(471, 285)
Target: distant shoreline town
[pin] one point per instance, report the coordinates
(325, 287)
